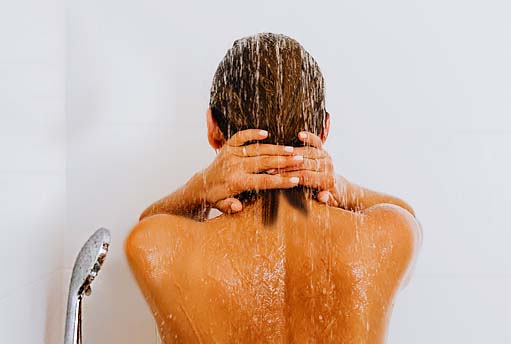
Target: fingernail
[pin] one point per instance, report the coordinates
(235, 207)
(288, 149)
(303, 135)
(298, 157)
(294, 180)
(263, 132)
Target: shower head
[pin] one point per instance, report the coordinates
(89, 261)
(87, 264)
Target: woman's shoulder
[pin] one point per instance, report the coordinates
(394, 217)
(397, 225)
(158, 231)
(164, 220)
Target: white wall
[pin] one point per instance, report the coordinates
(32, 171)
(419, 93)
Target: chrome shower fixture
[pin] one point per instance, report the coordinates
(87, 264)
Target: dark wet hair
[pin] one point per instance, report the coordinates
(269, 81)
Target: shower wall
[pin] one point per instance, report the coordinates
(419, 98)
(32, 171)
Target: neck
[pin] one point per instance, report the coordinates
(284, 203)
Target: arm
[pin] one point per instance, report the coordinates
(214, 186)
(318, 172)
(188, 201)
(236, 168)
(354, 197)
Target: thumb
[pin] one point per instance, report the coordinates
(229, 205)
(327, 198)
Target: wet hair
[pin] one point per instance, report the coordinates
(269, 81)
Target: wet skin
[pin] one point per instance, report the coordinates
(328, 276)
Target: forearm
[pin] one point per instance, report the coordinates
(355, 197)
(188, 201)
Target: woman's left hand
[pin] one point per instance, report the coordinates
(317, 171)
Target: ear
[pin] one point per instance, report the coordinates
(326, 128)
(215, 137)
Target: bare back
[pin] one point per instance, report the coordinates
(329, 276)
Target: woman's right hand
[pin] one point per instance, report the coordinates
(238, 168)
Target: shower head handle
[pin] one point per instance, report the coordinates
(86, 267)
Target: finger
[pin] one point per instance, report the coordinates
(310, 138)
(323, 197)
(265, 162)
(317, 165)
(319, 180)
(268, 181)
(257, 149)
(327, 198)
(224, 206)
(229, 205)
(311, 152)
(243, 136)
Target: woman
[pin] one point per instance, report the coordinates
(280, 266)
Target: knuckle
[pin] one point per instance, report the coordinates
(250, 150)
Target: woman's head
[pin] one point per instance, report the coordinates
(269, 81)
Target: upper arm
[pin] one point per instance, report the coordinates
(367, 197)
